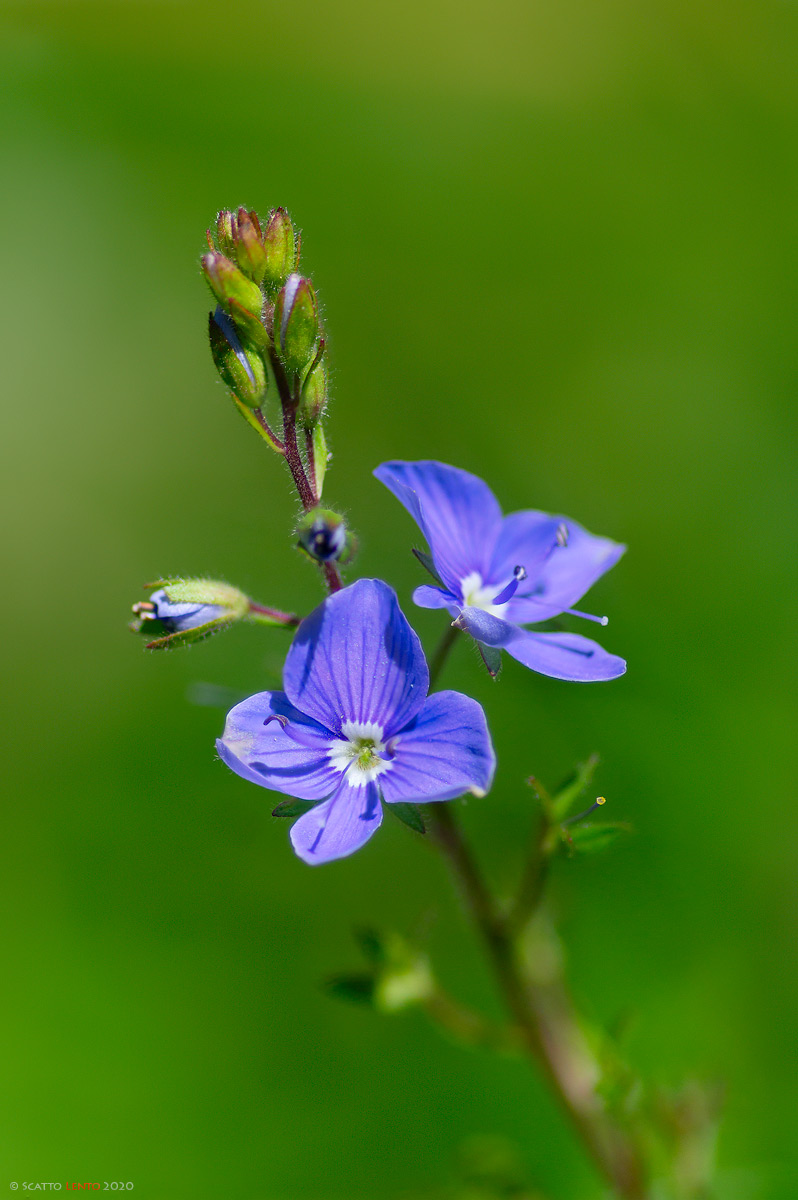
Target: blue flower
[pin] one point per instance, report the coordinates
(499, 573)
(355, 726)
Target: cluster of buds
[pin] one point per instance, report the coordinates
(264, 333)
(182, 611)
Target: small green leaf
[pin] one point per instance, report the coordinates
(573, 788)
(426, 562)
(321, 456)
(591, 839)
(492, 658)
(358, 987)
(409, 815)
(293, 808)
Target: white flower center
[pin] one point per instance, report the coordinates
(476, 594)
(359, 754)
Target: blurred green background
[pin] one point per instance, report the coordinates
(556, 245)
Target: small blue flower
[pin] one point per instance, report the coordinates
(355, 726)
(499, 573)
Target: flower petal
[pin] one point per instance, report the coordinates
(560, 655)
(427, 596)
(446, 751)
(267, 755)
(457, 513)
(564, 656)
(339, 826)
(355, 658)
(566, 575)
(526, 539)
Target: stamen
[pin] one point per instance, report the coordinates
(507, 593)
(144, 609)
(574, 612)
(581, 816)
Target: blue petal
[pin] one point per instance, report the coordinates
(339, 826)
(527, 539)
(560, 655)
(427, 596)
(446, 751)
(355, 658)
(177, 617)
(566, 575)
(266, 755)
(457, 513)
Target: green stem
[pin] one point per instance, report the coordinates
(543, 1012)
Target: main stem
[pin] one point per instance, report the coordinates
(543, 1011)
(307, 492)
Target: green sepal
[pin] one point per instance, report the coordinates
(249, 252)
(186, 637)
(426, 562)
(573, 788)
(251, 418)
(297, 327)
(409, 815)
(293, 808)
(281, 249)
(204, 591)
(247, 386)
(492, 658)
(588, 838)
(225, 237)
(357, 987)
(250, 328)
(313, 400)
(321, 456)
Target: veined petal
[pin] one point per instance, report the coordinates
(564, 656)
(355, 658)
(267, 755)
(568, 572)
(457, 513)
(339, 826)
(427, 596)
(526, 539)
(445, 752)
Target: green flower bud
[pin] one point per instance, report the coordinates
(296, 322)
(249, 250)
(225, 232)
(228, 284)
(183, 611)
(314, 396)
(280, 247)
(242, 370)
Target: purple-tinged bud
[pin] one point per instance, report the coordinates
(226, 232)
(249, 250)
(242, 370)
(323, 534)
(229, 284)
(182, 611)
(280, 247)
(296, 322)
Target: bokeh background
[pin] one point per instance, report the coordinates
(555, 245)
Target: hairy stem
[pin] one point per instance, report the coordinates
(542, 1010)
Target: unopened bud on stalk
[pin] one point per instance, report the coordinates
(296, 322)
(314, 396)
(225, 232)
(230, 285)
(242, 370)
(323, 534)
(187, 610)
(280, 248)
(249, 250)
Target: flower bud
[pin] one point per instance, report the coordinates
(242, 370)
(225, 232)
(280, 248)
(314, 396)
(187, 610)
(323, 534)
(228, 284)
(296, 322)
(249, 250)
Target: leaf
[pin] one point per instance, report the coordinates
(592, 839)
(573, 788)
(492, 658)
(358, 987)
(293, 808)
(426, 562)
(409, 815)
